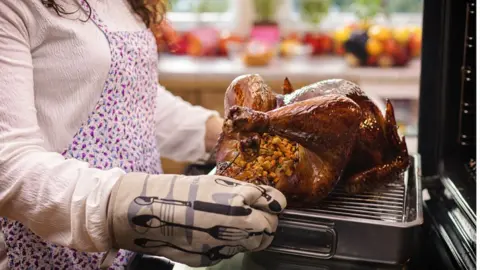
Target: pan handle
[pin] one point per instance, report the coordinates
(305, 239)
(146, 262)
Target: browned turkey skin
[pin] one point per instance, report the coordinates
(303, 142)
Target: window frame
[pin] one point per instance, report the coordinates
(235, 19)
(290, 20)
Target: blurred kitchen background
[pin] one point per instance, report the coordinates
(375, 43)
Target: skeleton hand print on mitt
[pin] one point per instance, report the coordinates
(194, 220)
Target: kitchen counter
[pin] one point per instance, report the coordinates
(183, 72)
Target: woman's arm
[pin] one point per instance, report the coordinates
(62, 201)
(184, 132)
(213, 129)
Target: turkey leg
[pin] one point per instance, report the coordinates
(395, 156)
(317, 124)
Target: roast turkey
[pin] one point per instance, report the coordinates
(305, 142)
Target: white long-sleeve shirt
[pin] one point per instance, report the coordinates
(52, 72)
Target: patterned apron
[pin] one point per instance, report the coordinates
(118, 133)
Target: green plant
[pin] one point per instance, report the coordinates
(199, 6)
(367, 9)
(202, 6)
(265, 9)
(313, 11)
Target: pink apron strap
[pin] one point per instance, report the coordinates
(94, 16)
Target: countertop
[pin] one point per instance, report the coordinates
(208, 70)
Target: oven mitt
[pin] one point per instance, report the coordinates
(194, 220)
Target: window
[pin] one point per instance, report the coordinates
(341, 12)
(392, 6)
(193, 6)
(405, 6)
(188, 14)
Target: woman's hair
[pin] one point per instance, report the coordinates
(151, 11)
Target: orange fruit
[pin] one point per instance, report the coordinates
(378, 32)
(415, 30)
(402, 35)
(342, 35)
(390, 47)
(374, 47)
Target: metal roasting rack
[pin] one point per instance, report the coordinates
(379, 226)
(384, 204)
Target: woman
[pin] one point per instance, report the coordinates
(83, 122)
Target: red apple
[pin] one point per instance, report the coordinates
(327, 44)
(401, 57)
(415, 45)
(320, 43)
(372, 60)
(180, 46)
(339, 49)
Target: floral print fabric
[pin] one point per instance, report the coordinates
(119, 132)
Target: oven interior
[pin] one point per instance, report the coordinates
(447, 131)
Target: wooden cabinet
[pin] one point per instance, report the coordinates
(212, 100)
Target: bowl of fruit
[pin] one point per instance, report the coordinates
(252, 53)
(381, 46)
(293, 48)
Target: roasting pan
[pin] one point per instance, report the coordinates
(380, 226)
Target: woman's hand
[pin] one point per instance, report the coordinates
(195, 220)
(214, 126)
